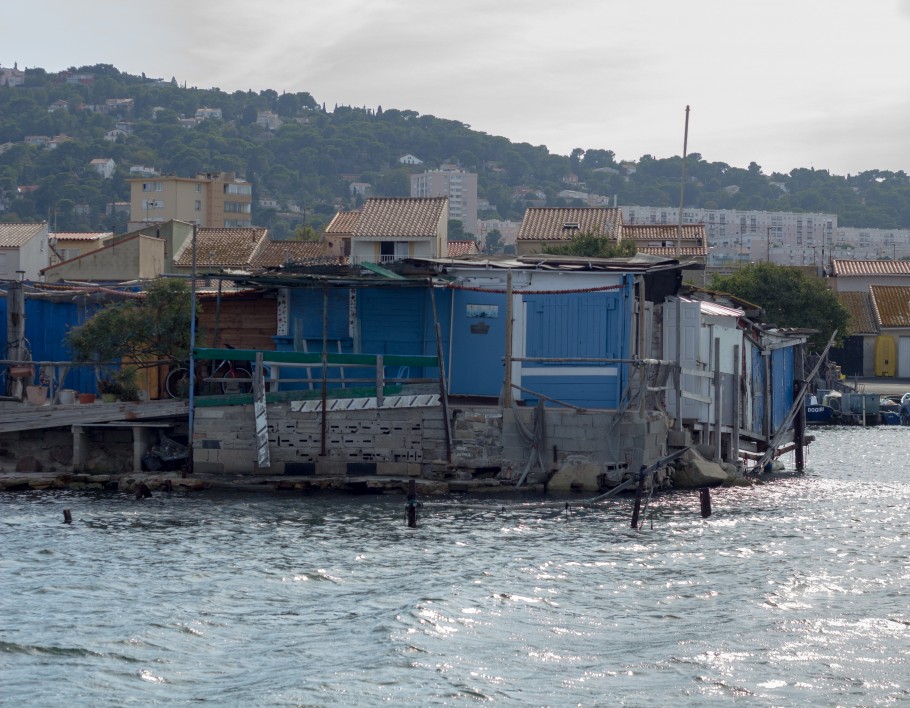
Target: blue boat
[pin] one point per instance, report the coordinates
(823, 413)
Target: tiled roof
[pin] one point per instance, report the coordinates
(549, 223)
(660, 239)
(234, 247)
(862, 317)
(15, 235)
(343, 222)
(891, 304)
(456, 249)
(841, 267)
(80, 235)
(279, 253)
(400, 217)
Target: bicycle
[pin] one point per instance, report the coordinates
(231, 379)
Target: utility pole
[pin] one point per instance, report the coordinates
(682, 187)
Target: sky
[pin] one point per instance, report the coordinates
(784, 83)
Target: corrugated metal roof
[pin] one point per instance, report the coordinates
(713, 308)
(862, 316)
(16, 235)
(844, 267)
(400, 217)
(891, 304)
(222, 247)
(563, 224)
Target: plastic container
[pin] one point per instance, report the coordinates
(67, 397)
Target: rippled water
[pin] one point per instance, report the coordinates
(794, 592)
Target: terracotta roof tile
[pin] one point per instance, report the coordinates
(862, 316)
(660, 239)
(891, 304)
(550, 223)
(15, 235)
(343, 222)
(279, 253)
(234, 247)
(81, 235)
(456, 249)
(401, 217)
(841, 267)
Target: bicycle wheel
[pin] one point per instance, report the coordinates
(177, 382)
(237, 380)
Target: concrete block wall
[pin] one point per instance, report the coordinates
(394, 441)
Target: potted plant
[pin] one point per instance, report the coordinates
(120, 384)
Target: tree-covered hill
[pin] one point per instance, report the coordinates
(311, 160)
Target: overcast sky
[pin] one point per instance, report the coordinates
(784, 83)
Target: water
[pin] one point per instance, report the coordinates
(795, 592)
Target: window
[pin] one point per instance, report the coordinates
(152, 204)
(152, 186)
(198, 205)
(238, 189)
(237, 207)
(197, 187)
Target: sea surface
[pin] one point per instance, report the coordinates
(795, 592)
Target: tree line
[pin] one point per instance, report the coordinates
(311, 160)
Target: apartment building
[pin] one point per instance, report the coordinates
(458, 185)
(211, 200)
(736, 237)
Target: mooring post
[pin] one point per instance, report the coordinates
(411, 504)
(705, 494)
(639, 490)
(67, 516)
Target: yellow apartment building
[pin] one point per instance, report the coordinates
(210, 200)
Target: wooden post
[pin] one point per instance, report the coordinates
(507, 379)
(380, 380)
(718, 400)
(737, 405)
(677, 424)
(67, 516)
(411, 505)
(705, 498)
(639, 491)
(443, 390)
(325, 366)
(799, 422)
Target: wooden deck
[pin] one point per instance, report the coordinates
(22, 416)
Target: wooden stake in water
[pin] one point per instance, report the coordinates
(705, 494)
(67, 516)
(411, 505)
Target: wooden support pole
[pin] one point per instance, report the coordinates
(380, 381)
(507, 378)
(639, 491)
(67, 516)
(799, 421)
(705, 499)
(411, 505)
(737, 405)
(325, 367)
(718, 400)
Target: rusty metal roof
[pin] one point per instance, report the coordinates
(862, 315)
(891, 304)
(844, 267)
(563, 224)
(16, 235)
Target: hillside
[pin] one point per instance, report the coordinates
(312, 158)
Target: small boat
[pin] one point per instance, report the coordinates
(823, 412)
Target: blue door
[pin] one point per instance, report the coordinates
(479, 343)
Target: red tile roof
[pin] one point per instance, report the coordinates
(844, 267)
(400, 217)
(16, 235)
(563, 224)
(279, 253)
(456, 249)
(225, 248)
(891, 304)
(862, 315)
(660, 239)
(343, 222)
(80, 235)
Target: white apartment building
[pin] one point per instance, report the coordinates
(458, 185)
(735, 237)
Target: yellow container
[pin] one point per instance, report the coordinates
(885, 356)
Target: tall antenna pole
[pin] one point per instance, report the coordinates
(682, 187)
